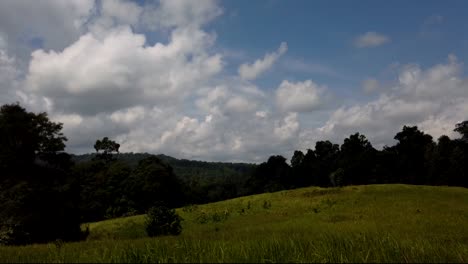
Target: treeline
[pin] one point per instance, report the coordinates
(415, 159)
(107, 190)
(45, 193)
(183, 168)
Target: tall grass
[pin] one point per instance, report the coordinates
(379, 223)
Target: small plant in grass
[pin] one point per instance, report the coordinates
(161, 221)
(202, 218)
(266, 204)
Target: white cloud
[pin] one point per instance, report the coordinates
(129, 115)
(370, 39)
(119, 71)
(99, 75)
(57, 22)
(434, 99)
(163, 98)
(8, 77)
(370, 85)
(252, 71)
(300, 96)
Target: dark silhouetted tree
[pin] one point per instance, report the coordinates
(462, 128)
(327, 155)
(105, 148)
(161, 221)
(357, 159)
(37, 195)
(270, 176)
(412, 147)
(152, 181)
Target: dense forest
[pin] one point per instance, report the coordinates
(46, 193)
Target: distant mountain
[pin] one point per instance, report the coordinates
(182, 167)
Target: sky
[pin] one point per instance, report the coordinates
(235, 80)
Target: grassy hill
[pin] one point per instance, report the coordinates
(374, 223)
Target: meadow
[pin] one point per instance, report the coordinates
(372, 223)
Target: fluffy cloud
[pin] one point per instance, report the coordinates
(168, 97)
(370, 39)
(435, 99)
(102, 77)
(95, 75)
(57, 23)
(252, 71)
(8, 77)
(300, 96)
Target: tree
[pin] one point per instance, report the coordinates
(270, 176)
(357, 158)
(412, 148)
(297, 158)
(151, 181)
(326, 154)
(106, 145)
(37, 196)
(105, 148)
(24, 137)
(161, 221)
(462, 128)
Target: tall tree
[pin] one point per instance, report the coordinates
(105, 148)
(412, 147)
(357, 159)
(36, 195)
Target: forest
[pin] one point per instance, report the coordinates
(46, 193)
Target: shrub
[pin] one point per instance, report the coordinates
(161, 221)
(266, 204)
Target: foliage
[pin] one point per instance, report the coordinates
(415, 159)
(106, 146)
(112, 188)
(462, 128)
(37, 195)
(161, 221)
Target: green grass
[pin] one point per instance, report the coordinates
(375, 223)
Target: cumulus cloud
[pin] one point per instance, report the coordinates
(300, 96)
(57, 23)
(102, 77)
(370, 39)
(162, 98)
(8, 77)
(435, 99)
(96, 75)
(252, 71)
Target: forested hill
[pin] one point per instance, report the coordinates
(182, 167)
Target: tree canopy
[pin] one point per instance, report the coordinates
(37, 196)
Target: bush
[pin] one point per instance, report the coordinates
(161, 221)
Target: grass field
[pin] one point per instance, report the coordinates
(375, 223)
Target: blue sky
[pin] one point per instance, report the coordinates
(322, 32)
(235, 80)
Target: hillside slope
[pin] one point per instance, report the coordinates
(182, 167)
(374, 223)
